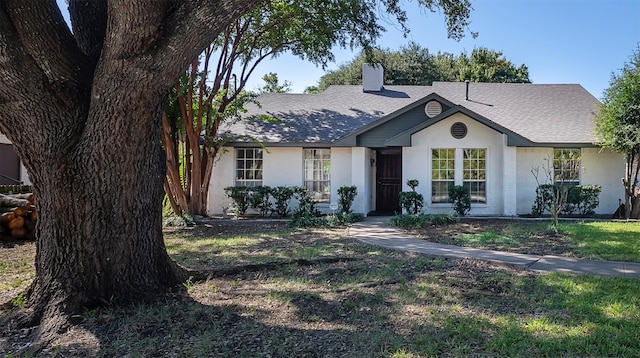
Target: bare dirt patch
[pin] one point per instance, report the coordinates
(521, 236)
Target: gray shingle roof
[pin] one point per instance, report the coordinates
(543, 113)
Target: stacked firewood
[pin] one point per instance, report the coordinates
(18, 216)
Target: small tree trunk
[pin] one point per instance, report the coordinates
(172, 182)
(635, 208)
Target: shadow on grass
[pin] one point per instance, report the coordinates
(184, 327)
(384, 304)
(8, 242)
(200, 251)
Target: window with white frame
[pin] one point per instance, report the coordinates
(474, 173)
(317, 173)
(442, 174)
(249, 167)
(566, 166)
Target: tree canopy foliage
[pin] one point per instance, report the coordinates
(618, 125)
(415, 65)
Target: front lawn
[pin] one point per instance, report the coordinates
(602, 240)
(372, 303)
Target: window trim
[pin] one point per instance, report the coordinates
(476, 181)
(323, 196)
(459, 176)
(249, 182)
(575, 163)
(447, 168)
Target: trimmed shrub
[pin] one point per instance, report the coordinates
(589, 199)
(347, 196)
(260, 199)
(239, 196)
(307, 206)
(544, 198)
(459, 196)
(581, 199)
(411, 201)
(282, 196)
(406, 221)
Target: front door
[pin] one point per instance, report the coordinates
(388, 180)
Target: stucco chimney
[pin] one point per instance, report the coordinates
(372, 77)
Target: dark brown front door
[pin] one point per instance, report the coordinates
(388, 180)
(9, 165)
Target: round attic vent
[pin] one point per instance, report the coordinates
(459, 130)
(433, 108)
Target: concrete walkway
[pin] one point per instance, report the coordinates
(375, 230)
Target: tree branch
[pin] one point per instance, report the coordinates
(42, 54)
(49, 43)
(189, 27)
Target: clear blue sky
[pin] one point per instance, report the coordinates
(560, 41)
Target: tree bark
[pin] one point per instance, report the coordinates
(87, 127)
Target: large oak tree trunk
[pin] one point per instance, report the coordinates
(99, 237)
(84, 112)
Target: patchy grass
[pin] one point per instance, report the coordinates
(616, 241)
(16, 268)
(380, 303)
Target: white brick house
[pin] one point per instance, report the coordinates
(486, 136)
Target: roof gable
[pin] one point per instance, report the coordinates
(404, 138)
(375, 133)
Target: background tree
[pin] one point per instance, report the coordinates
(311, 90)
(618, 126)
(414, 65)
(272, 84)
(88, 130)
(483, 65)
(213, 89)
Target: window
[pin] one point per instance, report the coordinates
(249, 167)
(442, 174)
(474, 174)
(566, 166)
(317, 173)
